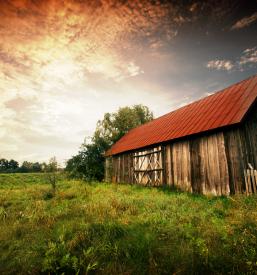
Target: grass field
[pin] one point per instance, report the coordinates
(121, 229)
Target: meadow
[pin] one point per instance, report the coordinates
(100, 228)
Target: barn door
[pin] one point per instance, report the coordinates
(148, 167)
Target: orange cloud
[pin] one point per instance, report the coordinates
(245, 22)
(63, 62)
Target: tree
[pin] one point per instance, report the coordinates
(8, 166)
(13, 165)
(4, 165)
(26, 167)
(51, 170)
(36, 167)
(115, 125)
(89, 162)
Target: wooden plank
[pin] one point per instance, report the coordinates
(180, 166)
(223, 165)
(202, 180)
(255, 177)
(236, 160)
(229, 163)
(174, 161)
(168, 164)
(148, 153)
(187, 166)
(130, 167)
(119, 170)
(246, 182)
(205, 164)
(150, 170)
(126, 168)
(242, 160)
(247, 134)
(235, 155)
(178, 161)
(122, 168)
(209, 151)
(163, 160)
(249, 181)
(171, 166)
(220, 177)
(109, 169)
(115, 169)
(253, 181)
(254, 138)
(183, 165)
(214, 161)
(160, 174)
(195, 165)
(214, 166)
(180, 172)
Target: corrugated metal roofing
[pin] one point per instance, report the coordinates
(224, 108)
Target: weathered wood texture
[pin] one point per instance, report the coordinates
(180, 159)
(209, 165)
(108, 169)
(216, 163)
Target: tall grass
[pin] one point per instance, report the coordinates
(121, 229)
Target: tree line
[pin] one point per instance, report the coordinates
(12, 166)
(88, 164)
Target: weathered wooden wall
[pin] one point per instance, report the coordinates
(213, 163)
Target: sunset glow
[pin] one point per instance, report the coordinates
(65, 63)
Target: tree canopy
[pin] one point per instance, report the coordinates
(8, 166)
(115, 125)
(89, 162)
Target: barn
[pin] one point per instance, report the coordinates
(206, 147)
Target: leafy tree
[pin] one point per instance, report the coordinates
(8, 166)
(89, 162)
(115, 125)
(36, 167)
(13, 165)
(51, 170)
(4, 165)
(26, 167)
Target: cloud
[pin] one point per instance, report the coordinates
(63, 63)
(220, 65)
(48, 51)
(92, 35)
(249, 56)
(247, 60)
(245, 22)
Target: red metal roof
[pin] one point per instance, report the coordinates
(224, 108)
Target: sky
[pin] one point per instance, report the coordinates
(64, 63)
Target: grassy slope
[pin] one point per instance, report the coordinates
(122, 229)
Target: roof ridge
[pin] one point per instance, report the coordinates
(194, 102)
(222, 108)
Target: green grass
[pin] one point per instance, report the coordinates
(122, 229)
